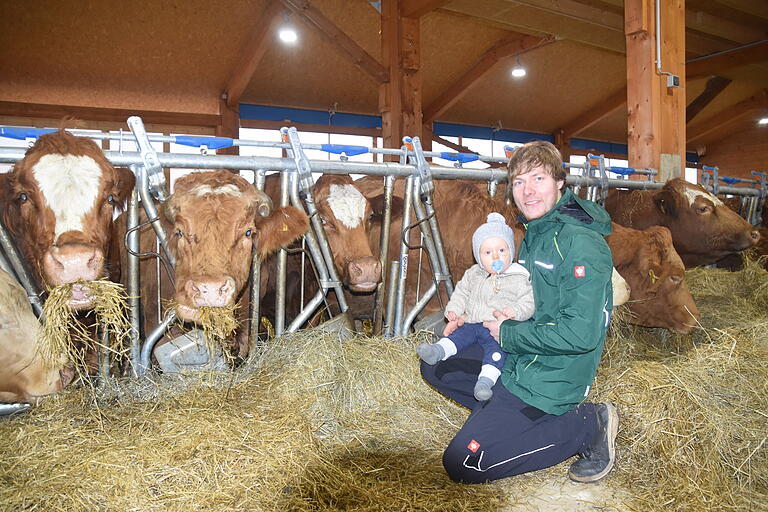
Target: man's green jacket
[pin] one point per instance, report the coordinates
(554, 355)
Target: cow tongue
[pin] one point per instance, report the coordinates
(80, 294)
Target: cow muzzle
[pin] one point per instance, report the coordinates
(363, 274)
(204, 292)
(74, 262)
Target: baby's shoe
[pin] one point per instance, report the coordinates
(430, 354)
(483, 389)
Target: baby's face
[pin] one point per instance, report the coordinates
(495, 249)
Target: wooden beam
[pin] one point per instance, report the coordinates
(418, 8)
(514, 44)
(594, 114)
(715, 86)
(727, 116)
(116, 115)
(312, 16)
(246, 65)
(309, 127)
(721, 61)
(229, 126)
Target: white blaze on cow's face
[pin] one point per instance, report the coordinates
(70, 186)
(347, 204)
(692, 193)
(228, 189)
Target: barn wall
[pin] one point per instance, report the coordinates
(740, 153)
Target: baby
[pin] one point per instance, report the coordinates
(495, 283)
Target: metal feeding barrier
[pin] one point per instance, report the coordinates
(390, 315)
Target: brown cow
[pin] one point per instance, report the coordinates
(734, 261)
(346, 215)
(23, 375)
(659, 295)
(58, 203)
(213, 219)
(703, 229)
(462, 206)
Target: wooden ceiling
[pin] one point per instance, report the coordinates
(175, 56)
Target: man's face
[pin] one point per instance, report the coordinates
(536, 192)
(493, 249)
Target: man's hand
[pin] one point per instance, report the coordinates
(454, 321)
(494, 326)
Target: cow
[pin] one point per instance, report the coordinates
(703, 229)
(346, 216)
(659, 295)
(214, 219)
(461, 206)
(734, 261)
(58, 203)
(24, 377)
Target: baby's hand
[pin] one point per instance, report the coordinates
(508, 312)
(454, 321)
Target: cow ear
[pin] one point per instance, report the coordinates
(665, 203)
(285, 225)
(124, 183)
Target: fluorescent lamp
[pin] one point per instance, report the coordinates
(518, 71)
(764, 120)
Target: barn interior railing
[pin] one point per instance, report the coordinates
(390, 316)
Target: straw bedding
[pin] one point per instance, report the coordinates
(316, 423)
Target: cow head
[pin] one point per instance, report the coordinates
(659, 295)
(213, 220)
(345, 214)
(58, 203)
(703, 228)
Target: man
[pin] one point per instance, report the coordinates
(537, 416)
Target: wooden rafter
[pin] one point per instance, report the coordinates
(727, 116)
(246, 65)
(514, 44)
(335, 35)
(715, 86)
(116, 115)
(594, 114)
(714, 64)
(418, 8)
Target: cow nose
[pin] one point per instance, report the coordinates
(72, 262)
(755, 234)
(211, 292)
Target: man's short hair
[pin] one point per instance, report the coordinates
(538, 153)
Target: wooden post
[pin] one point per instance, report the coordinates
(229, 126)
(656, 112)
(400, 95)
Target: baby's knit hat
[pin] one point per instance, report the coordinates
(496, 227)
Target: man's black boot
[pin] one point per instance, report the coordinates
(598, 459)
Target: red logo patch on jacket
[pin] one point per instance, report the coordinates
(473, 446)
(579, 271)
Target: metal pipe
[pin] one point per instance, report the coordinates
(388, 329)
(307, 311)
(151, 340)
(14, 408)
(254, 303)
(21, 271)
(149, 207)
(6, 266)
(386, 221)
(282, 265)
(418, 307)
(400, 300)
(134, 287)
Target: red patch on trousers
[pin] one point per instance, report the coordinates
(473, 446)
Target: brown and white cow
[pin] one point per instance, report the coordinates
(58, 203)
(213, 219)
(23, 375)
(345, 214)
(659, 295)
(703, 229)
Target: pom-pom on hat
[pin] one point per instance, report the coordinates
(496, 227)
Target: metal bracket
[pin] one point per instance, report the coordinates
(303, 167)
(427, 186)
(155, 176)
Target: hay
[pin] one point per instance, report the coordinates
(313, 423)
(63, 337)
(218, 324)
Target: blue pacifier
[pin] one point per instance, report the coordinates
(497, 266)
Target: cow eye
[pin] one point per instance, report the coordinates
(248, 233)
(111, 199)
(179, 233)
(23, 197)
(703, 209)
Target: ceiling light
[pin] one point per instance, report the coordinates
(288, 35)
(764, 120)
(518, 71)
